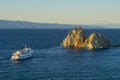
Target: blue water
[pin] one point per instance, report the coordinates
(52, 62)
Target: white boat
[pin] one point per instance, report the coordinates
(22, 54)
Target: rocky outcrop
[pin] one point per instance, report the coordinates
(76, 39)
(96, 41)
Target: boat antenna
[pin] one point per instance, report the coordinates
(25, 46)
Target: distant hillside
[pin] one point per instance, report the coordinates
(110, 25)
(8, 24)
(24, 24)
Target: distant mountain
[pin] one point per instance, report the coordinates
(109, 25)
(8, 24)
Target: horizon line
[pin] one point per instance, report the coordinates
(59, 23)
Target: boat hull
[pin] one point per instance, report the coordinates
(25, 56)
(22, 54)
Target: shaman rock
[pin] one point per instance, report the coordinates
(75, 38)
(96, 41)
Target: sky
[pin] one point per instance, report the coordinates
(62, 11)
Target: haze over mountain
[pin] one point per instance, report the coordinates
(8, 24)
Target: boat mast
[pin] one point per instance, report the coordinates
(25, 46)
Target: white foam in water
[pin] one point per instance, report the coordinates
(52, 50)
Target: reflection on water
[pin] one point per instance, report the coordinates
(15, 61)
(51, 62)
(59, 63)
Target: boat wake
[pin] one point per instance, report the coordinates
(49, 51)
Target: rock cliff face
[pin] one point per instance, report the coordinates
(76, 39)
(96, 41)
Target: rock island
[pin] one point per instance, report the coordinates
(76, 38)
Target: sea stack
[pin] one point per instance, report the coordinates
(96, 41)
(76, 38)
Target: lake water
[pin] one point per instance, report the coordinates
(52, 62)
